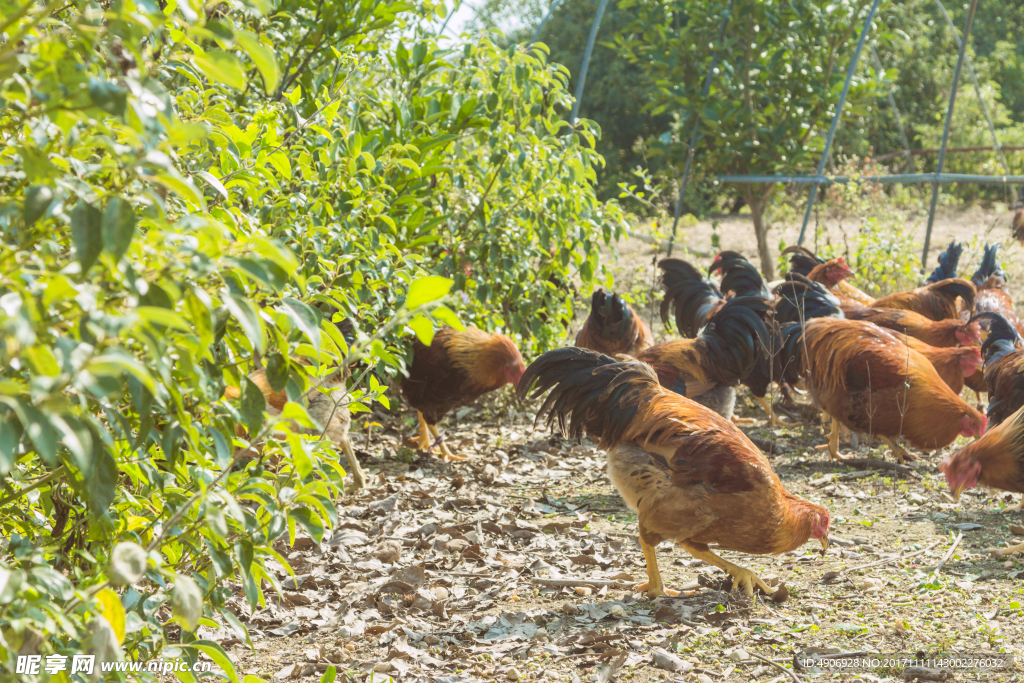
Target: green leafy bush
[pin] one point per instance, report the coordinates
(190, 191)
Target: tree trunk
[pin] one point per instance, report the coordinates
(757, 206)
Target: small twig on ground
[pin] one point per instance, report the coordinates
(949, 553)
(864, 463)
(893, 559)
(776, 665)
(581, 583)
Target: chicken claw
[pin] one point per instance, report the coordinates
(446, 454)
(653, 585)
(742, 420)
(833, 442)
(741, 577)
(1006, 552)
(645, 586)
(901, 454)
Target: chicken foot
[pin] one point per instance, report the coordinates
(901, 453)
(833, 442)
(446, 454)
(773, 419)
(653, 585)
(742, 578)
(1005, 552)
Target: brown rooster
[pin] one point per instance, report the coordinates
(833, 273)
(613, 327)
(940, 333)
(936, 301)
(996, 460)
(692, 477)
(323, 404)
(455, 370)
(870, 382)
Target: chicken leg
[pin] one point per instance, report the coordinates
(445, 453)
(742, 577)
(773, 419)
(358, 479)
(833, 441)
(423, 442)
(653, 585)
(901, 454)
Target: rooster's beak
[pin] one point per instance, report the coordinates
(957, 490)
(824, 545)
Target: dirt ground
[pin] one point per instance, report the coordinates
(519, 563)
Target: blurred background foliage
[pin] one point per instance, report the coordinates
(190, 192)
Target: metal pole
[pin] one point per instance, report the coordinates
(695, 136)
(977, 89)
(945, 131)
(544, 21)
(839, 113)
(586, 61)
(896, 113)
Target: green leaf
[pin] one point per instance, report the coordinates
(221, 67)
(118, 227)
(277, 371)
(10, 437)
(238, 627)
(448, 317)
(279, 160)
(102, 485)
(113, 611)
(427, 289)
(37, 200)
(253, 403)
(329, 675)
(186, 602)
(127, 563)
(87, 233)
(162, 317)
(308, 521)
(214, 182)
(116, 363)
(215, 652)
(108, 96)
(262, 56)
(246, 315)
(423, 328)
(306, 318)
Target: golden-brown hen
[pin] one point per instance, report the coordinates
(936, 301)
(692, 476)
(455, 370)
(613, 327)
(996, 460)
(940, 333)
(324, 404)
(870, 382)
